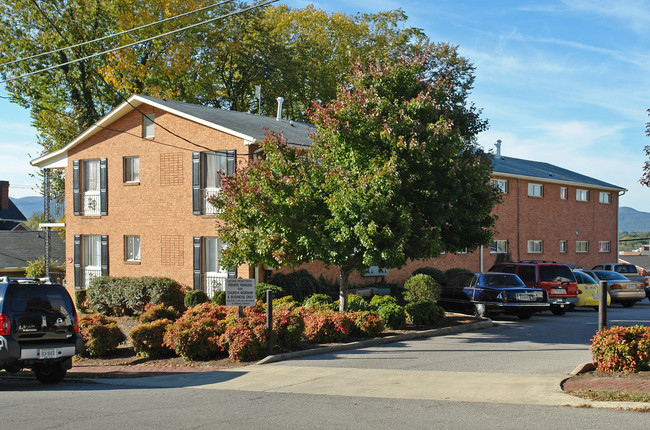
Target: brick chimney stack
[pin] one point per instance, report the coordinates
(4, 194)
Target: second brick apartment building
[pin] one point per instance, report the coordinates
(138, 180)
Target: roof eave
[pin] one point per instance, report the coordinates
(558, 181)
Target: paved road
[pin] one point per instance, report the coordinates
(503, 377)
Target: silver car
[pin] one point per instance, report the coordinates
(620, 288)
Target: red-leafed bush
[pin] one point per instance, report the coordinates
(158, 312)
(195, 335)
(148, 339)
(366, 323)
(621, 349)
(325, 326)
(245, 338)
(101, 335)
(288, 328)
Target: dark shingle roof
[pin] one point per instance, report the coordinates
(19, 247)
(249, 124)
(545, 171)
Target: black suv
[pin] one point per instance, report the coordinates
(38, 328)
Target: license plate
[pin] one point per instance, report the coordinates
(557, 291)
(631, 287)
(525, 297)
(45, 353)
(595, 296)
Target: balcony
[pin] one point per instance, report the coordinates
(208, 194)
(89, 274)
(213, 281)
(91, 203)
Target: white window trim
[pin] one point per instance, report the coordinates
(608, 246)
(533, 245)
(499, 249)
(580, 251)
(533, 188)
(564, 244)
(582, 195)
(132, 247)
(500, 184)
(564, 193)
(149, 126)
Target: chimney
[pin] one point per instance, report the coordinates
(4, 194)
(498, 145)
(280, 100)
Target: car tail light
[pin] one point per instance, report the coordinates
(5, 325)
(615, 287)
(646, 283)
(579, 291)
(76, 323)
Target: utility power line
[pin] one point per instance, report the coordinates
(148, 39)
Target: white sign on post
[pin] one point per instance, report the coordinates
(240, 292)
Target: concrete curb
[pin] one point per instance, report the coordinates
(487, 323)
(582, 368)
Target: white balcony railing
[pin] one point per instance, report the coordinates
(90, 272)
(208, 194)
(92, 203)
(214, 281)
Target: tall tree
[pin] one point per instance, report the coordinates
(392, 175)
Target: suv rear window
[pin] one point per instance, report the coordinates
(32, 298)
(626, 268)
(555, 274)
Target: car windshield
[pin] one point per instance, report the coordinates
(607, 275)
(626, 268)
(555, 273)
(503, 280)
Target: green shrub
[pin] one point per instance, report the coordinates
(324, 326)
(100, 334)
(454, 270)
(424, 312)
(621, 349)
(260, 291)
(148, 338)
(300, 284)
(319, 301)
(81, 300)
(128, 296)
(158, 312)
(287, 302)
(421, 287)
(195, 335)
(436, 274)
(377, 301)
(393, 316)
(195, 297)
(245, 338)
(357, 303)
(219, 298)
(366, 323)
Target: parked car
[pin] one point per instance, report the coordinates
(556, 278)
(629, 271)
(492, 293)
(38, 328)
(620, 288)
(588, 290)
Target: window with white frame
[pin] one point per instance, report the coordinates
(582, 246)
(564, 193)
(582, 195)
(462, 251)
(500, 184)
(604, 246)
(604, 197)
(131, 169)
(132, 248)
(563, 247)
(499, 247)
(90, 187)
(535, 246)
(536, 190)
(148, 126)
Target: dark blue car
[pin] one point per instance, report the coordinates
(492, 293)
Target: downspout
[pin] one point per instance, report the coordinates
(518, 220)
(618, 206)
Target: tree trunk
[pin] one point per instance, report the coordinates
(343, 289)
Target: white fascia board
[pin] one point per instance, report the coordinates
(248, 140)
(556, 181)
(51, 224)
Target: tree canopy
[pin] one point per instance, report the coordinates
(392, 175)
(299, 54)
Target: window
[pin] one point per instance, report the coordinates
(605, 197)
(132, 248)
(208, 171)
(499, 247)
(582, 195)
(209, 275)
(582, 246)
(131, 169)
(564, 193)
(604, 246)
(500, 184)
(148, 126)
(535, 246)
(535, 190)
(462, 251)
(563, 247)
(90, 259)
(89, 192)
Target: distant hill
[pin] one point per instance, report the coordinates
(33, 204)
(633, 220)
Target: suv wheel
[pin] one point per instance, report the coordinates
(49, 373)
(558, 310)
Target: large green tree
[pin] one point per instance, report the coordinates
(392, 175)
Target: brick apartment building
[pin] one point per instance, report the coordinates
(137, 183)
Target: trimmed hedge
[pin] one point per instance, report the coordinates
(393, 316)
(424, 312)
(100, 334)
(148, 339)
(621, 349)
(436, 274)
(421, 287)
(195, 297)
(260, 291)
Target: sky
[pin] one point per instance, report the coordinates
(560, 81)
